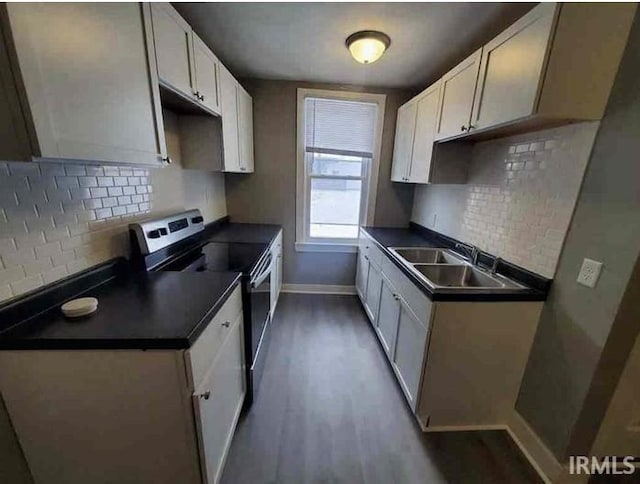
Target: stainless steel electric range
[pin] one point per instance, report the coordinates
(177, 243)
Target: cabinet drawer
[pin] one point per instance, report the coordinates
(201, 355)
(415, 299)
(369, 249)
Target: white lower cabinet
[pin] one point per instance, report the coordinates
(446, 354)
(372, 301)
(139, 416)
(217, 404)
(362, 271)
(388, 315)
(409, 354)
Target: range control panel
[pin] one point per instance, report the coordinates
(158, 233)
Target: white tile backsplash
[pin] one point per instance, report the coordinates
(519, 198)
(60, 218)
(48, 209)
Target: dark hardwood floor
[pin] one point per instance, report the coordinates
(329, 410)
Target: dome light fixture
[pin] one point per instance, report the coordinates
(367, 46)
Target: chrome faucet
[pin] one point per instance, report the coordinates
(494, 266)
(472, 251)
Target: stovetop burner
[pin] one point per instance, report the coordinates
(219, 256)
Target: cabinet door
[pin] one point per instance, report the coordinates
(403, 144)
(173, 41)
(408, 358)
(372, 301)
(91, 87)
(509, 82)
(425, 126)
(245, 130)
(388, 316)
(207, 75)
(217, 404)
(456, 97)
(362, 271)
(229, 97)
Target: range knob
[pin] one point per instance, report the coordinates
(197, 220)
(156, 233)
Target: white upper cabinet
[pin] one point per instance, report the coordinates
(207, 75)
(237, 125)
(509, 81)
(89, 87)
(426, 120)
(403, 145)
(230, 141)
(456, 97)
(245, 129)
(172, 37)
(185, 64)
(415, 131)
(554, 66)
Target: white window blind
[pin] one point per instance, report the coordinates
(339, 144)
(340, 127)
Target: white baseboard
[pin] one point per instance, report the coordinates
(318, 289)
(536, 452)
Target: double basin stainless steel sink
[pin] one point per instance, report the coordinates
(440, 268)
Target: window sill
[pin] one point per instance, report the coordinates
(346, 248)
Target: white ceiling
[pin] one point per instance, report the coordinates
(305, 41)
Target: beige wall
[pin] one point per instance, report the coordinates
(583, 337)
(269, 195)
(177, 188)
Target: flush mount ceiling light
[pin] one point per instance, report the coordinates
(367, 46)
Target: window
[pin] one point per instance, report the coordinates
(338, 155)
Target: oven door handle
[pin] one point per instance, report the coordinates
(265, 271)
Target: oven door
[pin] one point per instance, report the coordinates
(260, 294)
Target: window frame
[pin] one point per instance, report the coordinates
(305, 243)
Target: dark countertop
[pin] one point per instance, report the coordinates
(158, 310)
(240, 232)
(398, 237)
(536, 286)
(137, 310)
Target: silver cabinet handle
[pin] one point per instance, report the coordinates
(396, 297)
(167, 160)
(463, 128)
(366, 257)
(205, 396)
(226, 324)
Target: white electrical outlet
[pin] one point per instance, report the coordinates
(589, 272)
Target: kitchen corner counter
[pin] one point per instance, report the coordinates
(158, 310)
(536, 287)
(242, 232)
